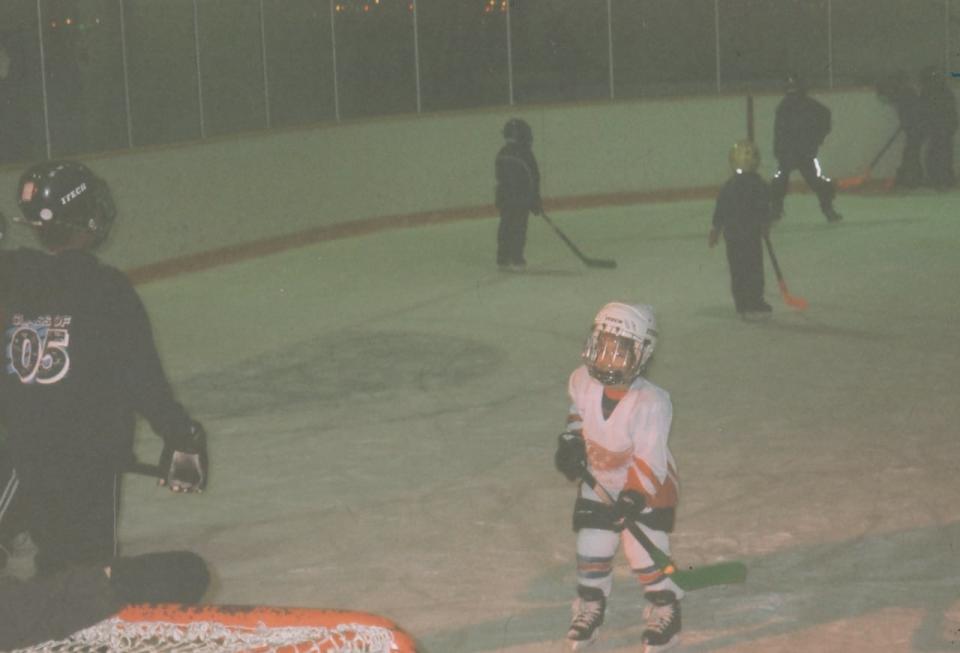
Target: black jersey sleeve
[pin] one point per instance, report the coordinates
(146, 384)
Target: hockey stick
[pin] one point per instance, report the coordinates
(855, 182)
(721, 573)
(589, 262)
(143, 469)
(792, 301)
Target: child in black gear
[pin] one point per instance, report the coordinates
(517, 192)
(742, 215)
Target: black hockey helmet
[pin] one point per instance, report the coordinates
(518, 130)
(59, 198)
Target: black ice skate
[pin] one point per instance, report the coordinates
(663, 621)
(588, 612)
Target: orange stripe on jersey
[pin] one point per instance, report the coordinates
(666, 494)
(602, 459)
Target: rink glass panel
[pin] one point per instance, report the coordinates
(21, 94)
(299, 54)
(663, 48)
(762, 41)
(463, 54)
(874, 38)
(231, 66)
(84, 76)
(164, 97)
(560, 50)
(375, 59)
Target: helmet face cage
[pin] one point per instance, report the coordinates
(620, 343)
(612, 359)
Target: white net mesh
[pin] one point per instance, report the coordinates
(118, 635)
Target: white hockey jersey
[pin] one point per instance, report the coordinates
(628, 449)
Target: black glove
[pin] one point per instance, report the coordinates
(631, 504)
(571, 456)
(168, 577)
(185, 466)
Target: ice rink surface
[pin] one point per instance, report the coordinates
(383, 412)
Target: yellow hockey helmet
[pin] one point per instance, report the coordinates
(744, 156)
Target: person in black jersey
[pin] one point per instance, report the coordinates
(800, 126)
(939, 126)
(899, 92)
(79, 364)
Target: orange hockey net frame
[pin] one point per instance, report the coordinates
(226, 629)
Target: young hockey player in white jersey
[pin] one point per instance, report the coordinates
(617, 429)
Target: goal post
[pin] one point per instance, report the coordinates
(235, 629)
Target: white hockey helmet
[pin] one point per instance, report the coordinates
(620, 343)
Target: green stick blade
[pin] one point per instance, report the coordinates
(721, 573)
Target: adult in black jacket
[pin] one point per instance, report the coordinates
(80, 364)
(56, 606)
(517, 192)
(799, 129)
(902, 95)
(742, 216)
(939, 128)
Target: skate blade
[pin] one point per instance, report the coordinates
(650, 648)
(581, 644)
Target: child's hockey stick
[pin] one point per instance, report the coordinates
(589, 262)
(144, 469)
(721, 573)
(855, 182)
(792, 301)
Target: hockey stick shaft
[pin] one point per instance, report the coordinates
(721, 573)
(853, 182)
(589, 262)
(791, 300)
(884, 149)
(143, 469)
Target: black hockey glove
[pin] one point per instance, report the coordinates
(631, 504)
(166, 577)
(185, 467)
(571, 456)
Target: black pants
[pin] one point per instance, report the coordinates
(809, 169)
(910, 172)
(71, 515)
(512, 236)
(939, 160)
(745, 258)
